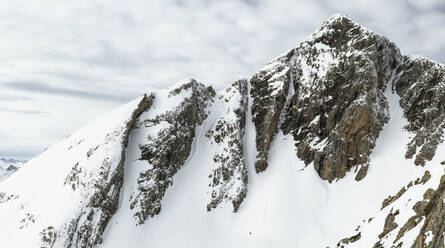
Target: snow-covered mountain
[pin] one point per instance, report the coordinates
(336, 143)
(9, 166)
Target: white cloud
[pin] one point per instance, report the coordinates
(64, 63)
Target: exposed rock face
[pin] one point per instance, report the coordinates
(229, 177)
(431, 212)
(167, 151)
(389, 225)
(422, 91)
(422, 225)
(338, 107)
(431, 234)
(102, 194)
(349, 240)
(269, 89)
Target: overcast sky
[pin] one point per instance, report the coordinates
(64, 63)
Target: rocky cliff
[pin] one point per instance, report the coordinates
(169, 147)
(422, 90)
(338, 108)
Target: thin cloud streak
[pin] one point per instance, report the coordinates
(22, 111)
(38, 87)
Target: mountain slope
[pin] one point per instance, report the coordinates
(65, 196)
(336, 143)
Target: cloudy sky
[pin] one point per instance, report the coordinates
(64, 63)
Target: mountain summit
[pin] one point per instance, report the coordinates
(333, 144)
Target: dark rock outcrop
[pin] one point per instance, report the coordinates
(269, 89)
(422, 97)
(390, 199)
(390, 224)
(229, 176)
(428, 212)
(347, 241)
(338, 108)
(167, 151)
(432, 208)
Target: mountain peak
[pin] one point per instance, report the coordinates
(314, 82)
(337, 17)
(341, 21)
(341, 31)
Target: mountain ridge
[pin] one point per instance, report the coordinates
(336, 102)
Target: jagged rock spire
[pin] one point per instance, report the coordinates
(332, 85)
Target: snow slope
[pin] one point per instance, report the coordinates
(39, 195)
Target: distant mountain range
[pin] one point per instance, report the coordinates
(9, 166)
